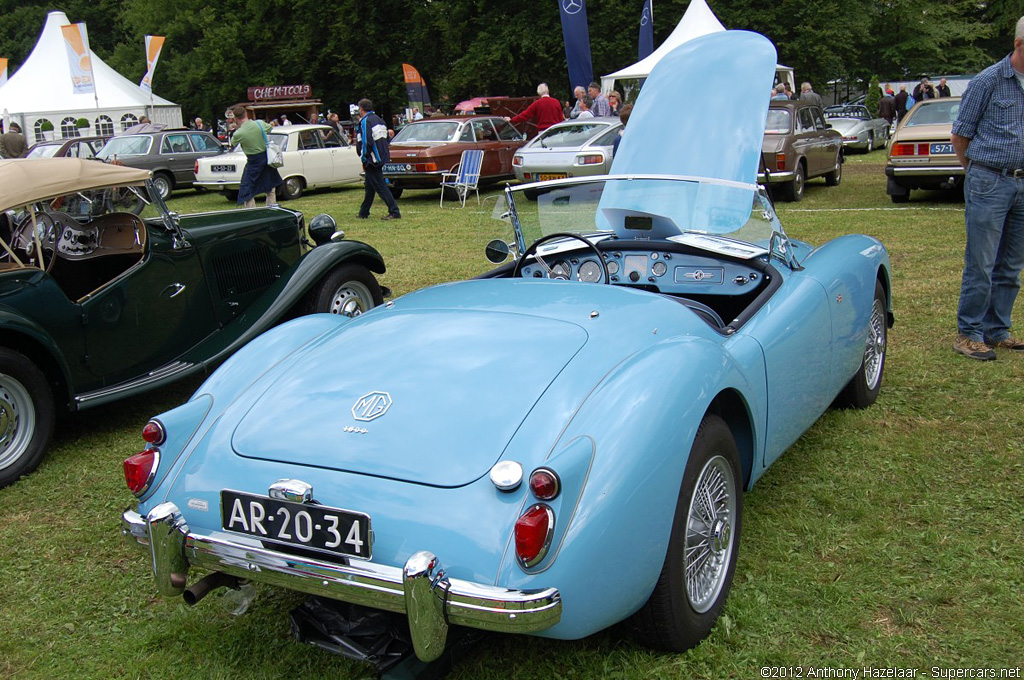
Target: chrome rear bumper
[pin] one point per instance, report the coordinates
(421, 589)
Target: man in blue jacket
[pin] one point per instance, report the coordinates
(372, 145)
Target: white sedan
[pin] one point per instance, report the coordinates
(314, 156)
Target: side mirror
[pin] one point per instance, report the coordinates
(497, 251)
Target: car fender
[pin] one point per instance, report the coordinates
(26, 336)
(624, 513)
(278, 301)
(848, 268)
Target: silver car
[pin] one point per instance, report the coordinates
(860, 130)
(571, 149)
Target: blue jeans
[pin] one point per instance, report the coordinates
(994, 255)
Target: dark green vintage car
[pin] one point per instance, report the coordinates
(105, 293)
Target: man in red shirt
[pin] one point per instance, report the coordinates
(547, 111)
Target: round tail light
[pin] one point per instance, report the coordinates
(533, 534)
(153, 433)
(139, 470)
(544, 484)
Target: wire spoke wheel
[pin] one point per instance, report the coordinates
(710, 529)
(17, 420)
(874, 350)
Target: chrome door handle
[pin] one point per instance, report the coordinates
(175, 290)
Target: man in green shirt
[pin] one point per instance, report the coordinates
(257, 177)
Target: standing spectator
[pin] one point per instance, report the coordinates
(372, 144)
(924, 90)
(624, 117)
(779, 93)
(585, 107)
(901, 103)
(257, 176)
(807, 94)
(198, 123)
(988, 137)
(600, 107)
(284, 120)
(578, 92)
(888, 90)
(12, 143)
(887, 108)
(615, 102)
(788, 89)
(545, 111)
(332, 120)
(416, 115)
(943, 89)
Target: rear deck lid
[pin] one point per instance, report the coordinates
(426, 396)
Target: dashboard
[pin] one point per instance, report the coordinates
(673, 273)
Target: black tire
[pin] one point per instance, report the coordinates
(871, 143)
(794, 189)
(348, 289)
(900, 198)
(164, 185)
(863, 388)
(531, 194)
(26, 416)
(396, 192)
(833, 178)
(231, 195)
(674, 619)
(291, 188)
(450, 194)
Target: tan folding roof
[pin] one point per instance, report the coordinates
(26, 180)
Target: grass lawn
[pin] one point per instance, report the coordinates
(885, 537)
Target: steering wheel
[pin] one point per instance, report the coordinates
(532, 250)
(23, 239)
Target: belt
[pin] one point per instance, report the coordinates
(1009, 172)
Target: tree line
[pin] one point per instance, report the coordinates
(348, 49)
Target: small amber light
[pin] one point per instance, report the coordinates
(590, 159)
(780, 161)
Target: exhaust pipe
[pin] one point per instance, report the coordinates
(208, 584)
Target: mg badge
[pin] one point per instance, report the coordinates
(372, 405)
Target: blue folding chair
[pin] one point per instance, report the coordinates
(464, 177)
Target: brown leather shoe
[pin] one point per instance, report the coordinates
(391, 217)
(1009, 342)
(972, 349)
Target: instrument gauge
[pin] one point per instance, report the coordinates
(613, 267)
(561, 270)
(590, 272)
(659, 269)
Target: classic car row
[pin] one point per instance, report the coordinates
(654, 344)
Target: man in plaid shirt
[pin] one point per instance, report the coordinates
(988, 137)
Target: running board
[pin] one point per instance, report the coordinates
(165, 373)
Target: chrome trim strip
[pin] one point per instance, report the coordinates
(786, 176)
(464, 603)
(926, 170)
(165, 371)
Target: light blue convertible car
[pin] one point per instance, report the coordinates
(560, 444)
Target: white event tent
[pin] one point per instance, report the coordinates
(40, 92)
(698, 20)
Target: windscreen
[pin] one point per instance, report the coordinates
(44, 151)
(942, 112)
(570, 136)
(134, 145)
(439, 131)
(779, 122)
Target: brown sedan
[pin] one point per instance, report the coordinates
(422, 150)
(798, 145)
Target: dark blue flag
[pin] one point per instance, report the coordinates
(577, 41)
(645, 45)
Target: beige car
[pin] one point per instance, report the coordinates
(921, 154)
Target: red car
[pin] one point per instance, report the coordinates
(423, 150)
